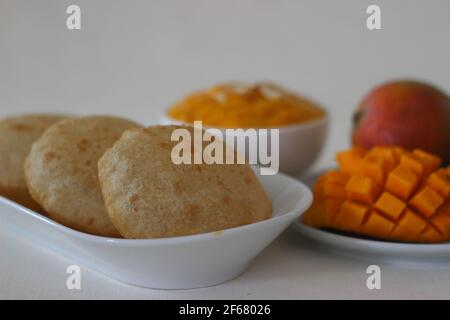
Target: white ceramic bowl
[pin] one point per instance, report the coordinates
(300, 144)
(168, 263)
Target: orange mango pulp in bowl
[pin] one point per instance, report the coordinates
(245, 106)
(386, 193)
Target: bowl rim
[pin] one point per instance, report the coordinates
(319, 122)
(303, 203)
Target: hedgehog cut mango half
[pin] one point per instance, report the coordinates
(386, 193)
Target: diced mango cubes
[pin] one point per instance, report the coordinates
(414, 164)
(440, 181)
(388, 155)
(431, 235)
(430, 162)
(330, 190)
(427, 201)
(363, 189)
(402, 182)
(328, 211)
(390, 205)
(387, 193)
(412, 223)
(442, 224)
(337, 177)
(374, 167)
(350, 160)
(378, 226)
(445, 209)
(350, 216)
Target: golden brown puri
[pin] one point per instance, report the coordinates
(61, 171)
(147, 196)
(17, 134)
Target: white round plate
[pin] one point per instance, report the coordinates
(374, 250)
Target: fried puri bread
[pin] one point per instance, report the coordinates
(17, 134)
(61, 171)
(148, 196)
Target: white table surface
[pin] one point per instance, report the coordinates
(134, 58)
(290, 268)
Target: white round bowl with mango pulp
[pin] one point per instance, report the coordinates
(299, 144)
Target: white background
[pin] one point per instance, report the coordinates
(135, 58)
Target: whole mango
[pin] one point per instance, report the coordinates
(409, 114)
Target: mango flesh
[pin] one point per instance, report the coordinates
(387, 193)
(409, 114)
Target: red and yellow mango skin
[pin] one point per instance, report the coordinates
(408, 114)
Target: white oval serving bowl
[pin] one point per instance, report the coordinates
(169, 263)
(300, 144)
